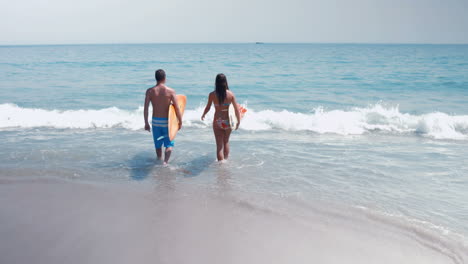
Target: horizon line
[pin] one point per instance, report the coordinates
(250, 42)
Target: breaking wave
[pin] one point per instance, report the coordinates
(356, 121)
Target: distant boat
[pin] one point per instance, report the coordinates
(259, 43)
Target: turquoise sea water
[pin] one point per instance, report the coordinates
(380, 127)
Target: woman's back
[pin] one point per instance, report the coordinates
(222, 108)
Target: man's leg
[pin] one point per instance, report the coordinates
(159, 153)
(169, 145)
(157, 142)
(167, 155)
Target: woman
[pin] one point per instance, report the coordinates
(222, 98)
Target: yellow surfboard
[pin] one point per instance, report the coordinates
(173, 122)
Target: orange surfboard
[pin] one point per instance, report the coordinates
(173, 122)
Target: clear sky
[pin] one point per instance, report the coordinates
(156, 21)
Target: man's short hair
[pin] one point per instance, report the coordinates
(160, 75)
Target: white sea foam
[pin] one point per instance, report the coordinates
(355, 121)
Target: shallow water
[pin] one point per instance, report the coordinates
(381, 129)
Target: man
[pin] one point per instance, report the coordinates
(161, 97)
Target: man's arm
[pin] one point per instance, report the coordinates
(177, 109)
(145, 112)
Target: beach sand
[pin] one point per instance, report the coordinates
(62, 222)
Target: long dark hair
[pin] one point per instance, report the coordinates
(221, 85)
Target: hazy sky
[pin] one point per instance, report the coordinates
(148, 21)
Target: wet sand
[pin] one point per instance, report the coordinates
(62, 222)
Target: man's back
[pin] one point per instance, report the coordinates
(160, 97)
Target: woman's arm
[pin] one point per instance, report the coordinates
(208, 106)
(236, 107)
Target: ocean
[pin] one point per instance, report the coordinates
(340, 137)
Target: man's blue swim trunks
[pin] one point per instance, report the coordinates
(161, 133)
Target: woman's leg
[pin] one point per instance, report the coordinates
(219, 136)
(227, 134)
